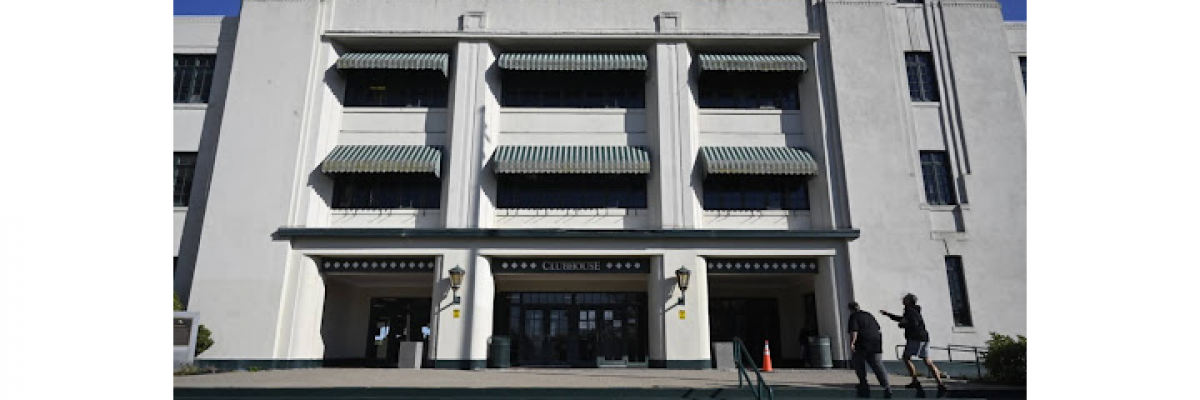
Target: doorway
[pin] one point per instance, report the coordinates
(752, 320)
(574, 329)
(393, 321)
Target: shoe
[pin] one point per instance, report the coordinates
(913, 385)
(887, 394)
(862, 391)
(941, 391)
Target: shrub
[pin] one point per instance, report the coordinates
(204, 339)
(1005, 360)
(192, 369)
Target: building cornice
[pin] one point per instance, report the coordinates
(342, 34)
(976, 4)
(859, 2)
(381, 233)
(199, 19)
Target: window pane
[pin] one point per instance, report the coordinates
(749, 90)
(185, 167)
(193, 77)
(935, 170)
(755, 192)
(1024, 83)
(573, 89)
(386, 191)
(571, 191)
(395, 88)
(959, 302)
(922, 84)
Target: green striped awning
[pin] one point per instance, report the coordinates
(434, 61)
(752, 62)
(757, 161)
(572, 61)
(383, 158)
(571, 160)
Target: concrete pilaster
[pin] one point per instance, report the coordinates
(679, 341)
(474, 111)
(829, 306)
(675, 137)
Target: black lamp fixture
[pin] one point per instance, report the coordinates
(456, 275)
(684, 275)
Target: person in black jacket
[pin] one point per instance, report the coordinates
(916, 341)
(867, 344)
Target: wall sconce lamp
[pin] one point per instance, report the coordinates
(684, 276)
(456, 275)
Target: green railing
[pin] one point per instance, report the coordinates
(744, 361)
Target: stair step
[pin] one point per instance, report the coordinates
(566, 393)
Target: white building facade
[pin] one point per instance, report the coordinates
(576, 160)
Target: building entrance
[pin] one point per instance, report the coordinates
(574, 329)
(752, 320)
(393, 322)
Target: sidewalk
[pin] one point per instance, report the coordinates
(531, 378)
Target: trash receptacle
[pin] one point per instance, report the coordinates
(819, 353)
(498, 352)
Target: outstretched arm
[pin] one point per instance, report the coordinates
(894, 317)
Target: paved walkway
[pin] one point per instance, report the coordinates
(525, 378)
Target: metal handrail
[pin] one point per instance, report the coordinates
(980, 354)
(741, 357)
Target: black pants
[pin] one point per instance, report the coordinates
(860, 361)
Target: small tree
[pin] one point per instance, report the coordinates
(1006, 359)
(203, 335)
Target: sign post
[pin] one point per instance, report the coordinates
(184, 335)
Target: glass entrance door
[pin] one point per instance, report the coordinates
(393, 321)
(574, 329)
(752, 320)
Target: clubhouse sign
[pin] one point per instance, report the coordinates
(603, 265)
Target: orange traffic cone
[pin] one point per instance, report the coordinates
(767, 356)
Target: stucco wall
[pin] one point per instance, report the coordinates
(591, 16)
(197, 126)
(386, 218)
(393, 125)
(979, 121)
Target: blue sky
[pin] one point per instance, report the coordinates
(1014, 10)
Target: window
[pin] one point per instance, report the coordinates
(958, 291)
(1024, 83)
(935, 169)
(922, 85)
(395, 88)
(574, 89)
(386, 191)
(752, 90)
(571, 191)
(193, 77)
(185, 168)
(755, 192)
